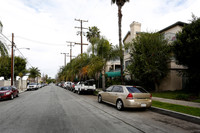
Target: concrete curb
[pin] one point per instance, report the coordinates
(186, 117)
(22, 91)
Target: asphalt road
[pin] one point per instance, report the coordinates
(55, 110)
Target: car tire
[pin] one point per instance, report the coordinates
(74, 91)
(119, 105)
(17, 95)
(11, 97)
(100, 99)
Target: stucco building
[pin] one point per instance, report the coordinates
(173, 81)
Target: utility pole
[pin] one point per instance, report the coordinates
(64, 58)
(12, 61)
(81, 33)
(70, 44)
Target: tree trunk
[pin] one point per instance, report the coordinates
(103, 79)
(120, 42)
(156, 87)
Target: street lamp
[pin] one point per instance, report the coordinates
(64, 58)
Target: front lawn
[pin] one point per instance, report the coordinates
(178, 95)
(178, 108)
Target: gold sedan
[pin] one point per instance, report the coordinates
(126, 97)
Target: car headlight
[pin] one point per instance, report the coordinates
(8, 93)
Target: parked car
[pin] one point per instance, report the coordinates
(86, 86)
(126, 97)
(8, 92)
(67, 85)
(32, 86)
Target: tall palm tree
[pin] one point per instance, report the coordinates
(34, 72)
(3, 50)
(92, 35)
(120, 4)
(107, 52)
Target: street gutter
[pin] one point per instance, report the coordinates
(182, 116)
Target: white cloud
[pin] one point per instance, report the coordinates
(52, 22)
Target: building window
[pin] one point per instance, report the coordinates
(127, 63)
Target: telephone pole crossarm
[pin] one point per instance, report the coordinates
(81, 32)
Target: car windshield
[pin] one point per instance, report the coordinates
(136, 90)
(33, 84)
(4, 88)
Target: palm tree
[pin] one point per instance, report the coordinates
(107, 52)
(34, 72)
(3, 50)
(120, 4)
(92, 35)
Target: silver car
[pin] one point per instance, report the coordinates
(126, 97)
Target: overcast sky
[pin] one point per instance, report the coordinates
(44, 26)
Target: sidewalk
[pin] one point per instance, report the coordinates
(178, 102)
(186, 117)
(21, 91)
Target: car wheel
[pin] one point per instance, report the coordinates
(74, 91)
(119, 105)
(11, 97)
(17, 95)
(99, 99)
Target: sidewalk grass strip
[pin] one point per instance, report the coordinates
(178, 108)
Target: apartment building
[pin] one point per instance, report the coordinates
(173, 81)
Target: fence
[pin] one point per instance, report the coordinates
(20, 84)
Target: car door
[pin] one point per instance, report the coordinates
(14, 91)
(115, 94)
(106, 94)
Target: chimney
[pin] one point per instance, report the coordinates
(135, 27)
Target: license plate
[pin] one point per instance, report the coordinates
(143, 105)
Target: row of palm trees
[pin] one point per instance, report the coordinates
(86, 65)
(90, 66)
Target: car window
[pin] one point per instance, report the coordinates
(136, 90)
(120, 89)
(33, 84)
(117, 89)
(3, 88)
(109, 89)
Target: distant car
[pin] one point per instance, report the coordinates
(8, 92)
(86, 86)
(67, 85)
(126, 97)
(32, 86)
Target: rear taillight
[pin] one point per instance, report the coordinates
(130, 96)
(150, 95)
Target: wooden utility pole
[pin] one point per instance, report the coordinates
(70, 44)
(81, 33)
(65, 58)
(12, 61)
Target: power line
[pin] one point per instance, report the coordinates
(35, 41)
(15, 48)
(7, 46)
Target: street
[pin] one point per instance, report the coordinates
(55, 110)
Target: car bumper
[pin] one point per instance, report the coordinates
(137, 103)
(5, 97)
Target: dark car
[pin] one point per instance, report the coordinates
(8, 92)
